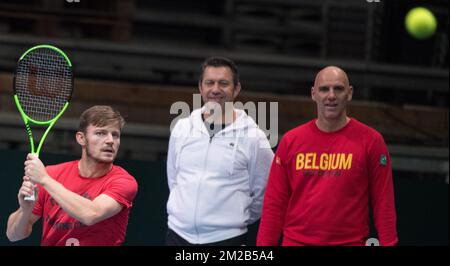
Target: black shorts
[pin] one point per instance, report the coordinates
(173, 239)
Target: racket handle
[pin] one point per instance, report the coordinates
(32, 197)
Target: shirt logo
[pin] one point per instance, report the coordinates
(324, 161)
(278, 160)
(383, 160)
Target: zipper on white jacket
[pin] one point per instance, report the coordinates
(199, 185)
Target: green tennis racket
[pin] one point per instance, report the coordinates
(43, 86)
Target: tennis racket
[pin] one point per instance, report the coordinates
(43, 86)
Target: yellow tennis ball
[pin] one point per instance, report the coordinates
(420, 23)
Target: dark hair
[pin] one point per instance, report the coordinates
(100, 116)
(218, 61)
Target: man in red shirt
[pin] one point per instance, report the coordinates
(325, 175)
(84, 202)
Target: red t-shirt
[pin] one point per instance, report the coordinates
(59, 229)
(322, 184)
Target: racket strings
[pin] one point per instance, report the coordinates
(43, 84)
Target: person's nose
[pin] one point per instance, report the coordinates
(331, 95)
(109, 138)
(215, 89)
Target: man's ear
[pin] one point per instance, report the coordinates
(81, 139)
(350, 95)
(237, 90)
(313, 94)
(200, 87)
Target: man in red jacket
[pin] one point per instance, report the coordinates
(325, 175)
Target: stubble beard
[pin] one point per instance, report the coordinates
(89, 155)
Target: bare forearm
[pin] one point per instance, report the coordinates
(76, 206)
(19, 225)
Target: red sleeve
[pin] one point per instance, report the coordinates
(382, 192)
(278, 192)
(123, 190)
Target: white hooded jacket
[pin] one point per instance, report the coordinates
(216, 183)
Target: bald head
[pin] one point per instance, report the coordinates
(332, 72)
(331, 92)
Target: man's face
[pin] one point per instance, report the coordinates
(217, 86)
(101, 143)
(331, 92)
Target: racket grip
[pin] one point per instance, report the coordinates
(32, 197)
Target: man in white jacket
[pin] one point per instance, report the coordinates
(217, 166)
